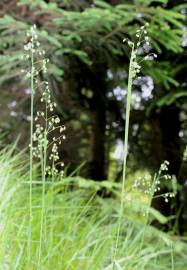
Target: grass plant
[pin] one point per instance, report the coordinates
(134, 70)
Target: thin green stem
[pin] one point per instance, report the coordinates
(127, 117)
(31, 156)
(43, 170)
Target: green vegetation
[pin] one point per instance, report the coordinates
(79, 228)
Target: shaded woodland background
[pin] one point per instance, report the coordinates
(88, 73)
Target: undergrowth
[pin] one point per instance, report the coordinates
(80, 226)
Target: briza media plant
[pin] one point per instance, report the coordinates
(46, 131)
(153, 187)
(137, 56)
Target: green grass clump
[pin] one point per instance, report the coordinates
(79, 227)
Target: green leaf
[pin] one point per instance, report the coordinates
(102, 4)
(171, 98)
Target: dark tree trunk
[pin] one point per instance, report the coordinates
(170, 127)
(97, 164)
(169, 120)
(98, 113)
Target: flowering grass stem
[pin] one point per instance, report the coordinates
(127, 117)
(43, 170)
(31, 154)
(134, 69)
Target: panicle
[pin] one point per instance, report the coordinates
(153, 186)
(48, 132)
(137, 46)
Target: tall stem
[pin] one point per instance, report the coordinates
(127, 117)
(31, 154)
(43, 170)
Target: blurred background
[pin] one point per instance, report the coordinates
(88, 73)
